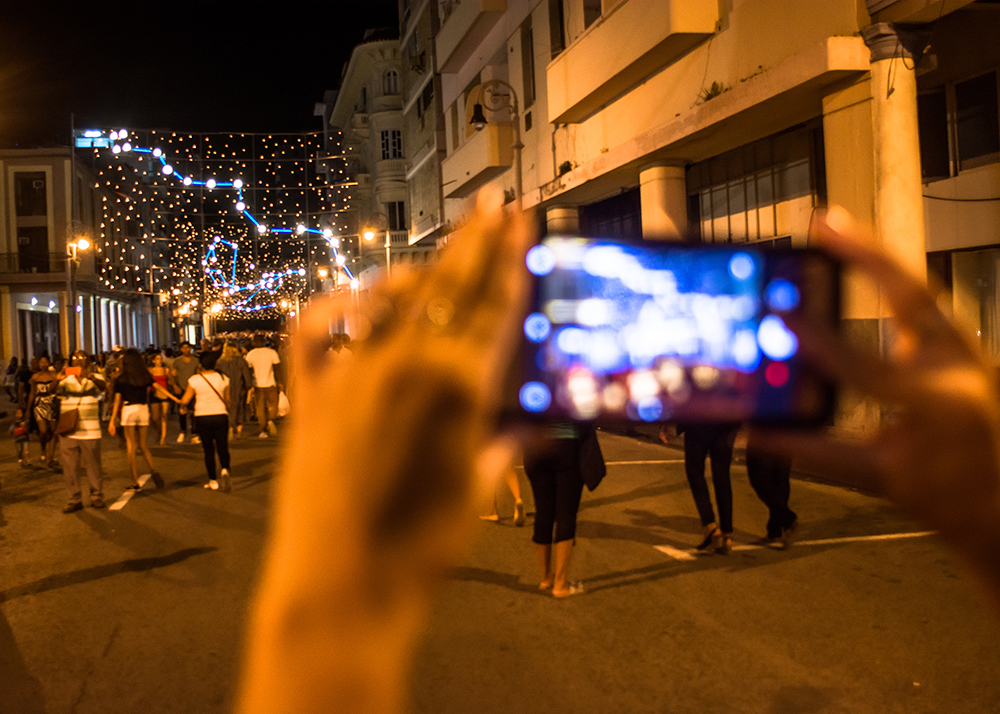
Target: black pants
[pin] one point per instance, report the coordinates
(213, 431)
(183, 416)
(769, 478)
(554, 474)
(715, 440)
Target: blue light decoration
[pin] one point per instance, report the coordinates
(269, 283)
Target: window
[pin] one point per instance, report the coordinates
(760, 191)
(528, 63)
(976, 126)
(29, 193)
(591, 12)
(932, 118)
(362, 105)
(396, 211)
(390, 82)
(959, 127)
(557, 27)
(392, 144)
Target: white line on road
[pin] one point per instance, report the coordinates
(127, 496)
(691, 553)
(631, 463)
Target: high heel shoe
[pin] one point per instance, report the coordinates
(725, 546)
(712, 535)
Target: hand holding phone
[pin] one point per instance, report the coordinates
(670, 331)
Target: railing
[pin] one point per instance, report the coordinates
(399, 237)
(32, 262)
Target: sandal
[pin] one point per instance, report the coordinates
(713, 537)
(571, 589)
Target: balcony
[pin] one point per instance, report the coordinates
(399, 238)
(486, 155)
(390, 178)
(467, 25)
(632, 42)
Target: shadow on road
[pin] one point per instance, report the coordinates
(84, 575)
(22, 693)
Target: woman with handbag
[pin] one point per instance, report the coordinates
(79, 394)
(132, 390)
(553, 469)
(210, 391)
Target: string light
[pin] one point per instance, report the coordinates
(161, 229)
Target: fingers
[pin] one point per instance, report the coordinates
(829, 354)
(914, 306)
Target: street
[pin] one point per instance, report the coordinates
(141, 609)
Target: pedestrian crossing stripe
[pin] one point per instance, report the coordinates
(692, 553)
(127, 496)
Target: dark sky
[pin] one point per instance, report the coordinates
(190, 65)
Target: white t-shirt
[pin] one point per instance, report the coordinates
(207, 402)
(262, 361)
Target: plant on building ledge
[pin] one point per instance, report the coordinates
(712, 92)
(565, 167)
(509, 195)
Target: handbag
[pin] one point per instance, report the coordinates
(66, 424)
(590, 458)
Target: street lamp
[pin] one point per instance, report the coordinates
(495, 101)
(76, 240)
(370, 233)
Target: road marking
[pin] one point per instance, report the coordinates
(127, 496)
(632, 463)
(692, 553)
(675, 553)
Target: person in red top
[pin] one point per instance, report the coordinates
(159, 407)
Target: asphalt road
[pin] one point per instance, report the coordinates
(141, 609)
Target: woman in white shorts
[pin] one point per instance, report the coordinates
(132, 389)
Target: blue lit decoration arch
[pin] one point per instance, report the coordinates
(249, 296)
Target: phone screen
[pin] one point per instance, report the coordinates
(73, 371)
(671, 331)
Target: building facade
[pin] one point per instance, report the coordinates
(735, 121)
(368, 111)
(38, 232)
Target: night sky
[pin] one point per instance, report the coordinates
(187, 65)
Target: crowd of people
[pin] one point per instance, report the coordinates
(232, 382)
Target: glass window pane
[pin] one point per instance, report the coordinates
(976, 121)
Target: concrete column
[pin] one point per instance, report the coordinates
(663, 196)
(899, 209)
(563, 220)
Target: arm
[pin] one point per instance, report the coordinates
(115, 411)
(940, 457)
(342, 636)
(187, 397)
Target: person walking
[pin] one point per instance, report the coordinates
(185, 366)
(769, 476)
(132, 390)
(235, 367)
(209, 389)
(262, 361)
(553, 470)
(701, 441)
(158, 407)
(9, 379)
(42, 405)
(82, 392)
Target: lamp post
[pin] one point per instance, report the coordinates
(369, 234)
(76, 240)
(494, 99)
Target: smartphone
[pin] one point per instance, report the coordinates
(73, 371)
(649, 332)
